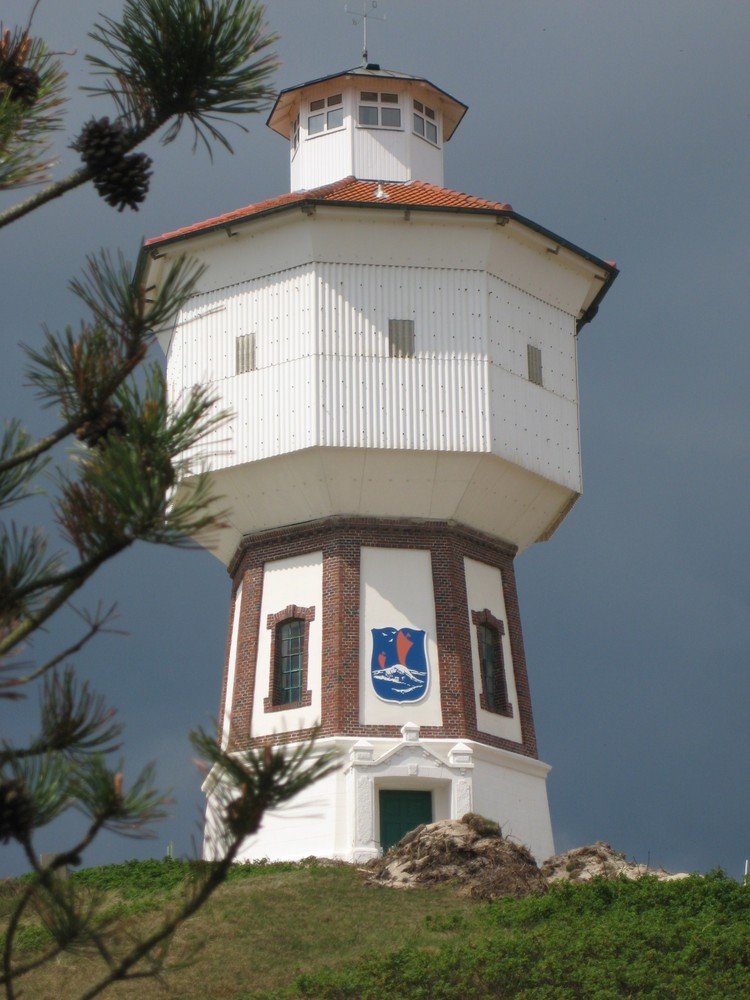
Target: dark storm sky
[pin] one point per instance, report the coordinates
(624, 128)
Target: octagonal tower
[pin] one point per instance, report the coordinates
(400, 361)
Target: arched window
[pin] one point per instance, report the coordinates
(494, 694)
(290, 640)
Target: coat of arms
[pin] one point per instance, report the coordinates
(399, 670)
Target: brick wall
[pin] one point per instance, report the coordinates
(340, 540)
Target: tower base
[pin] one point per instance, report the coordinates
(397, 642)
(386, 787)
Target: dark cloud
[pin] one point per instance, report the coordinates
(623, 127)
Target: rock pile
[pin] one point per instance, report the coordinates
(597, 860)
(472, 853)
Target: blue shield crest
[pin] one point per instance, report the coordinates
(399, 669)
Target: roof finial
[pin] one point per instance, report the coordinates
(364, 14)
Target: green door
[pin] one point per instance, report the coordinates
(401, 811)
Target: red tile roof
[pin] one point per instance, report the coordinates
(352, 192)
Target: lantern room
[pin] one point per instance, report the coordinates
(367, 123)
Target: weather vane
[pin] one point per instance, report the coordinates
(368, 12)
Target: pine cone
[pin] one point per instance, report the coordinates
(16, 810)
(101, 143)
(96, 432)
(125, 183)
(19, 81)
(23, 84)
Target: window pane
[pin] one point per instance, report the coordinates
(291, 639)
(317, 105)
(334, 99)
(418, 125)
(429, 112)
(315, 123)
(336, 118)
(391, 117)
(367, 115)
(431, 132)
(389, 98)
(487, 658)
(369, 95)
(419, 106)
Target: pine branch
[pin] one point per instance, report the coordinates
(97, 623)
(99, 792)
(17, 971)
(74, 720)
(200, 61)
(124, 494)
(9, 974)
(17, 474)
(71, 581)
(33, 793)
(45, 196)
(69, 928)
(251, 783)
(80, 373)
(23, 562)
(34, 452)
(254, 784)
(71, 915)
(196, 60)
(31, 93)
(135, 469)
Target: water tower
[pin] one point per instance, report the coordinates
(400, 360)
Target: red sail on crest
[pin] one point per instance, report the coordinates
(403, 645)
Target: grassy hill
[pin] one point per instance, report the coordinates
(316, 930)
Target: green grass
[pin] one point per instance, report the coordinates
(317, 931)
(688, 940)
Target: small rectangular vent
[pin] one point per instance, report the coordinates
(401, 338)
(534, 356)
(245, 353)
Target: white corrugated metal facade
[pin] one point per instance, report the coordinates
(324, 377)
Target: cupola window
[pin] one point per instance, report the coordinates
(425, 122)
(379, 110)
(326, 113)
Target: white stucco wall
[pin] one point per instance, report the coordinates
(396, 591)
(339, 816)
(299, 581)
(512, 790)
(484, 589)
(314, 823)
